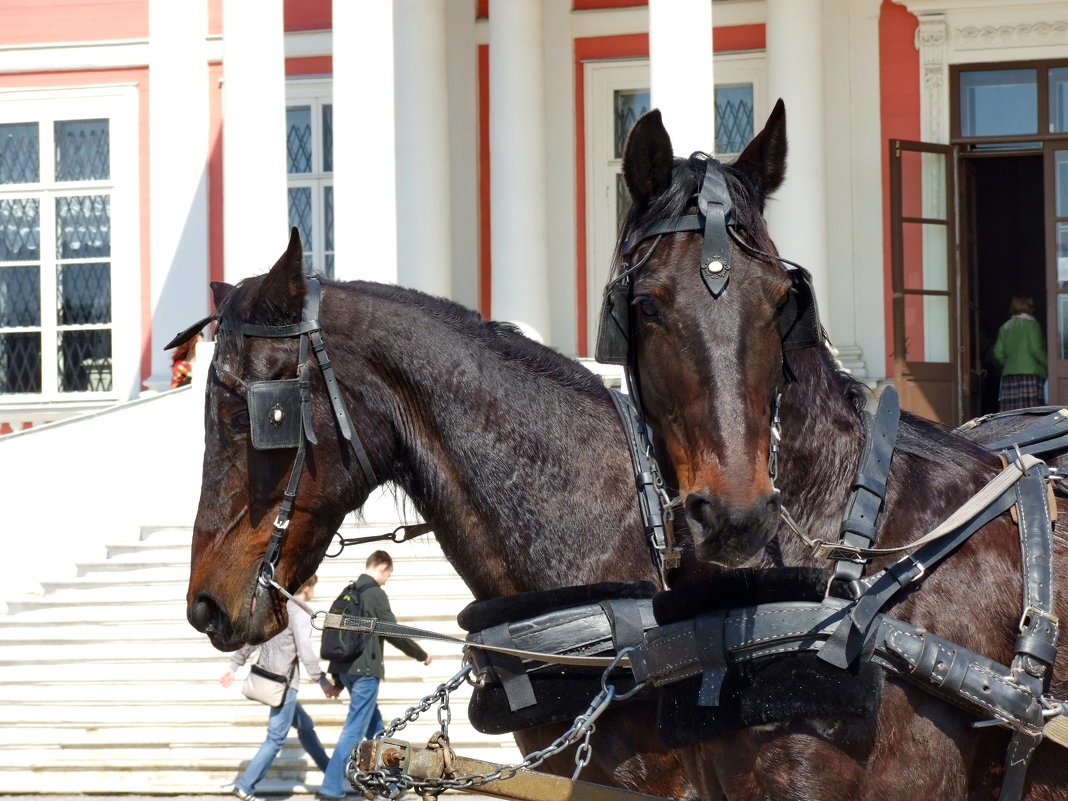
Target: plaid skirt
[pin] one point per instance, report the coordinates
(1020, 392)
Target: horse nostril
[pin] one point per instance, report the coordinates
(204, 614)
(703, 510)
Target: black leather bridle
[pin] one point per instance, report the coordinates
(280, 410)
(799, 325)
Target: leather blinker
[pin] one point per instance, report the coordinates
(274, 414)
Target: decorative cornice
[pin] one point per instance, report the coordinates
(1027, 34)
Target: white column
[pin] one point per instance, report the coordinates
(424, 253)
(798, 216)
(680, 72)
(463, 152)
(178, 150)
(520, 291)
(365, 174)
(255, 215)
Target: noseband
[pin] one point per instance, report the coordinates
(280, 411)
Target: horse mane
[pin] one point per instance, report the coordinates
(499, 337)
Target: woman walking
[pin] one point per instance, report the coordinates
(282, 654)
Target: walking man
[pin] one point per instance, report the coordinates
(362, 676)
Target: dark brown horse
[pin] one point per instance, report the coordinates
(513, 452)
(711, 366)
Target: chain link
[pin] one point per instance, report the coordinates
(392, 784)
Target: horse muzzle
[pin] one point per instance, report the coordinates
(206, 614)
(727, 535)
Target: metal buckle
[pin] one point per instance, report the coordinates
(1031, 612)
(838, 552)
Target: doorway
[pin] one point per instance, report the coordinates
(1006, 257)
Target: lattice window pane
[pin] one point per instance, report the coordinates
(299, 139)
(83, 150)
(83, 294)
(629, 105)
(20, 297)
(734, 118)
(85, 361)
(20, 153)
(20, 229)
(20, 362)
(300, 215)
(83, 226)
(328, 233)
(328, 138)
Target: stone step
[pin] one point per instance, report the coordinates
(106, 689)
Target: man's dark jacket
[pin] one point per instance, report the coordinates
(369, 663)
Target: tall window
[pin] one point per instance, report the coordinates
(310, 163)
(616, 95)
(55, 257)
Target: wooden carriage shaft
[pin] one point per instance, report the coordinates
(526, 785)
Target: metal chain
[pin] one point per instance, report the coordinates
(392, 784)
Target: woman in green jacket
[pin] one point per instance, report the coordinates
(1021, 351)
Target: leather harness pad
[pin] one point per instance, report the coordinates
(520, 694)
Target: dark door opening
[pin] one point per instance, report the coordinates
(1007, 258)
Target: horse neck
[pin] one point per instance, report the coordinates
(525, 479)
(822, 436)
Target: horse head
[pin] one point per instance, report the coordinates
(253, 446)
(708, 309)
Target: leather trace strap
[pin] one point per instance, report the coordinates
(652, 497)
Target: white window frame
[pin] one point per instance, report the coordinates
(315, 92)
(602, 80)
(118, 103)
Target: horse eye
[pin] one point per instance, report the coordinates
(240, 421)
(647, 308)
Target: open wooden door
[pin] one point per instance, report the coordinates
(926, 285)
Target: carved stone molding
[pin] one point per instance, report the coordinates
(931, 37)
(1028, 34)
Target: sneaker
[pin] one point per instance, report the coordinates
(243, 795)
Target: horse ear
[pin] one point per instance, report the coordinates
(647, 158)
(284, 285)
(219, 291)
(764, 158)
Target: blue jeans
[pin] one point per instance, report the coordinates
(290, 713)
(363, 721)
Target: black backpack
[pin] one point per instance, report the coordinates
(339, 645)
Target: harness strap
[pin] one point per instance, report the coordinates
(508, 668)
(371, 625)
(990, 492)
(650, 486)
(1047, 427)
(860, 527)
(714, 202)
(958, 675)
(848, 640)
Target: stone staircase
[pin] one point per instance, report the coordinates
(105, 688)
